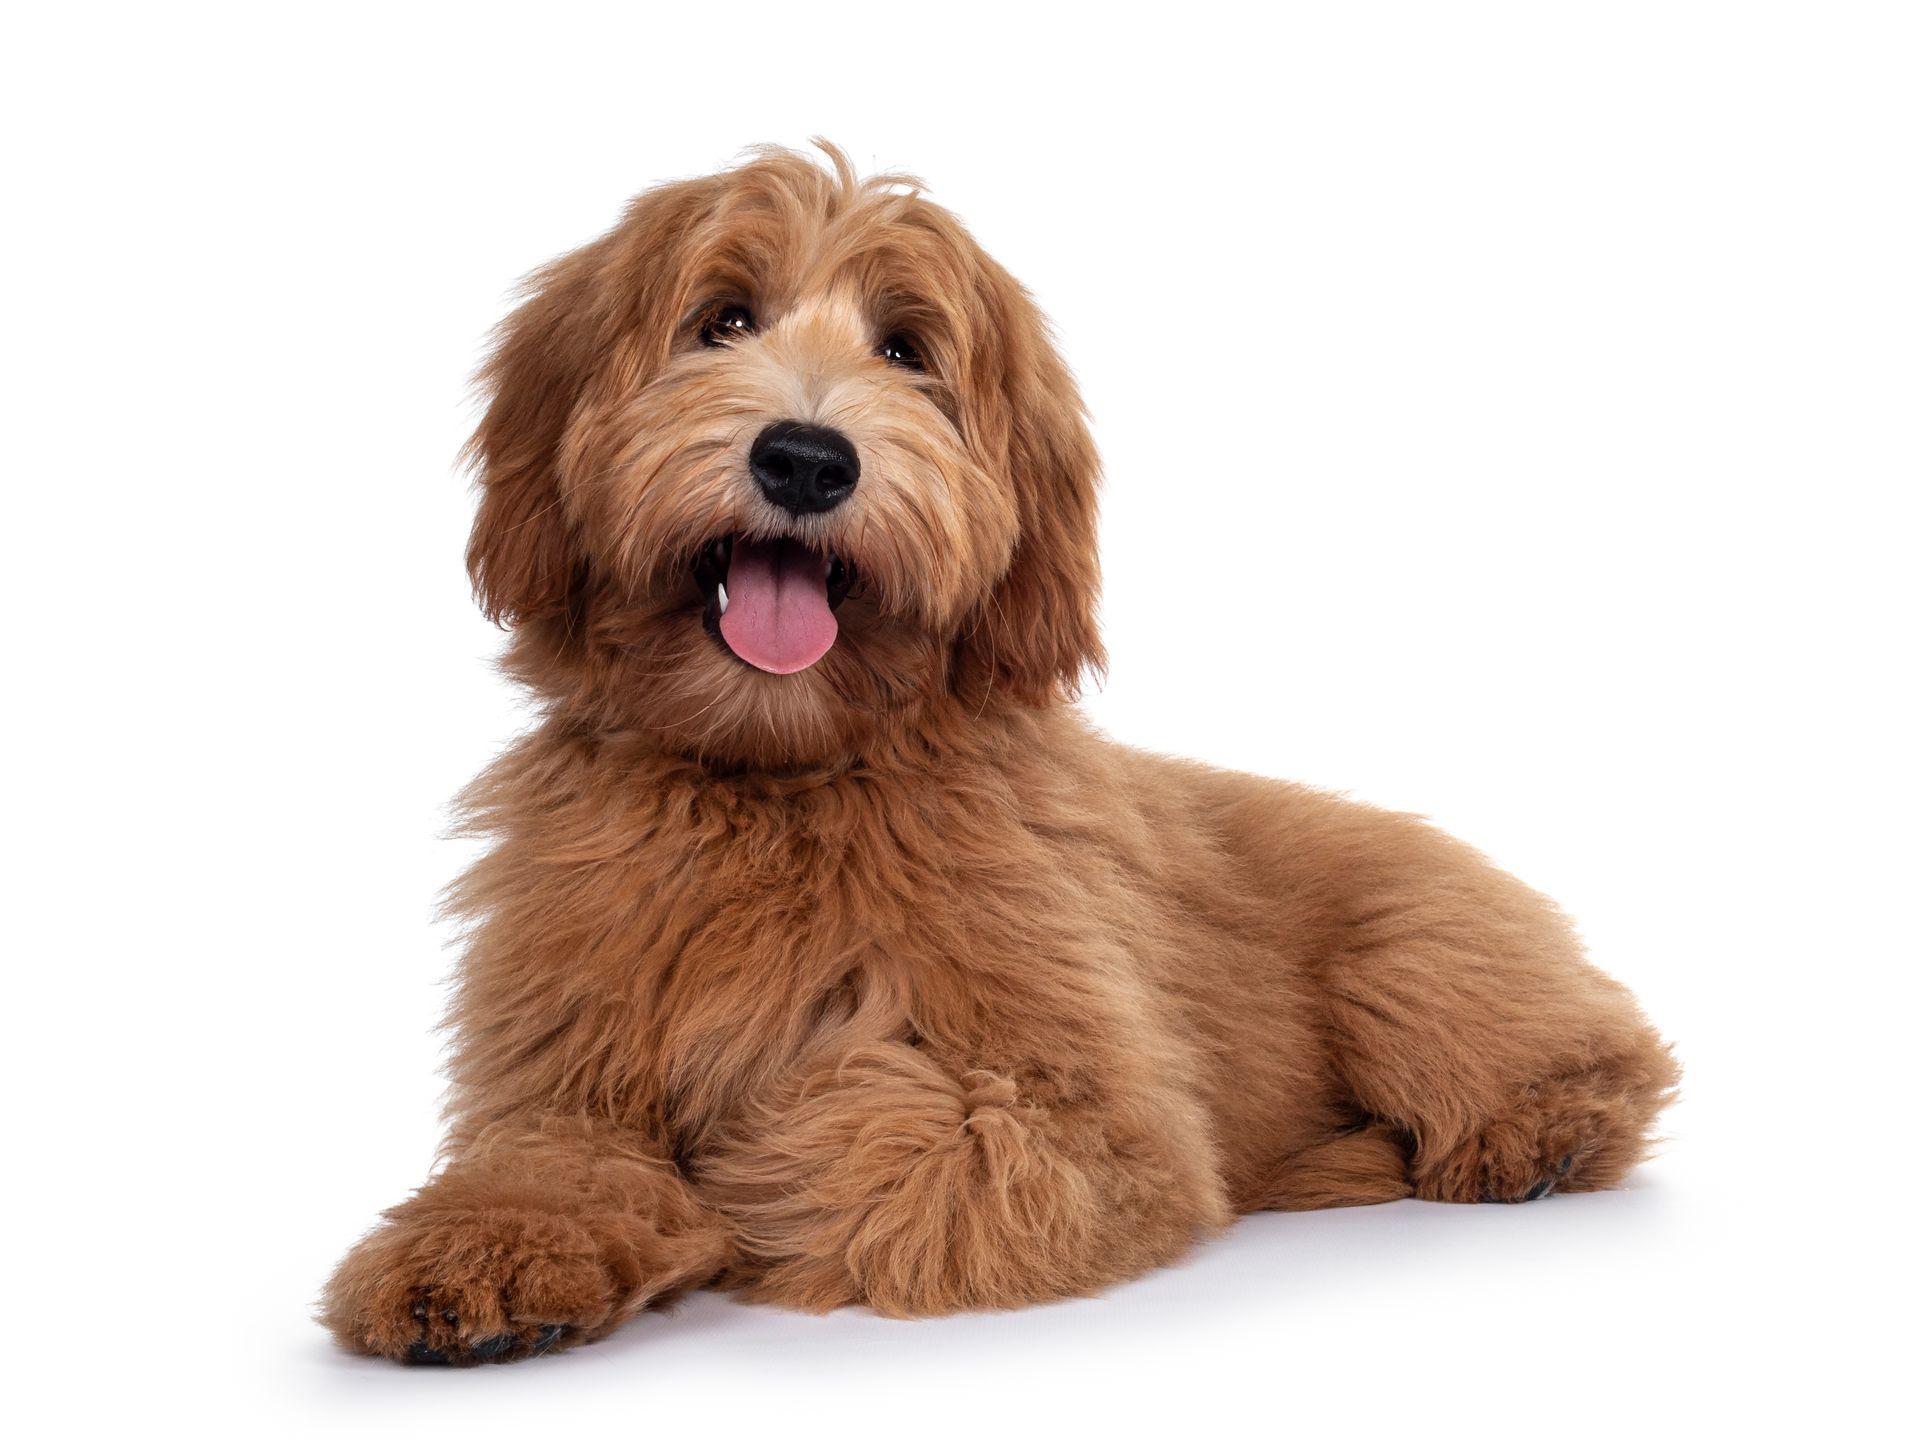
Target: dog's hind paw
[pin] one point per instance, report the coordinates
(1508, 1162)
(1541, 1188)
(1575, 1132)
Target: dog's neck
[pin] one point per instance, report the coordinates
(935, 738)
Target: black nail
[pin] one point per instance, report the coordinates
(421, 1353)
(545, 1340)
(1544, 1187)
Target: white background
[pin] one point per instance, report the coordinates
(1510, 415)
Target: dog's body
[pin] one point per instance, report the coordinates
(824, 952)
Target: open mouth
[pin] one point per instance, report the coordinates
(771, 602)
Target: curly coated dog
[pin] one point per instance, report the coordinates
(824, 952)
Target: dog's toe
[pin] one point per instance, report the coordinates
(494, 1347)
(1546, 1187)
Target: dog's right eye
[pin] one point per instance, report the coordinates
(726, 322)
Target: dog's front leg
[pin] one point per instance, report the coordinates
(534, 1236)
(885, 1177)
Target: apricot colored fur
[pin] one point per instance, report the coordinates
(890, 982)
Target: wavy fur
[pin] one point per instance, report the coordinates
(890, 982)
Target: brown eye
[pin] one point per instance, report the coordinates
(725, 323)
(899, 349)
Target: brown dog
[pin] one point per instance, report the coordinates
(824, 951)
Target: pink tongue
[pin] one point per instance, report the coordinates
(777, 616)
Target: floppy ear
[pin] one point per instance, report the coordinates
(1036, 635)
(523, 559)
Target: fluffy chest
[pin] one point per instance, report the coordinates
(660, 953)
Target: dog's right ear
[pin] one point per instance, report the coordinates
(523, 557)
(602, 314)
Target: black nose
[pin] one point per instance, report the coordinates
(804, 468)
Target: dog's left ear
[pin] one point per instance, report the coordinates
(1036, 635)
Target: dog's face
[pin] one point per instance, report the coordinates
(777, 463)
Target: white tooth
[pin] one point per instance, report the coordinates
(721, 591)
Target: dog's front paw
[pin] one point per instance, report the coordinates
(471, 1288)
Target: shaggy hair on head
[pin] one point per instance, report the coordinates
(823, 951)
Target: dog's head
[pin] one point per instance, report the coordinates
(780, 459)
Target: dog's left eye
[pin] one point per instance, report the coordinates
(898, 349)
(727, 322)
